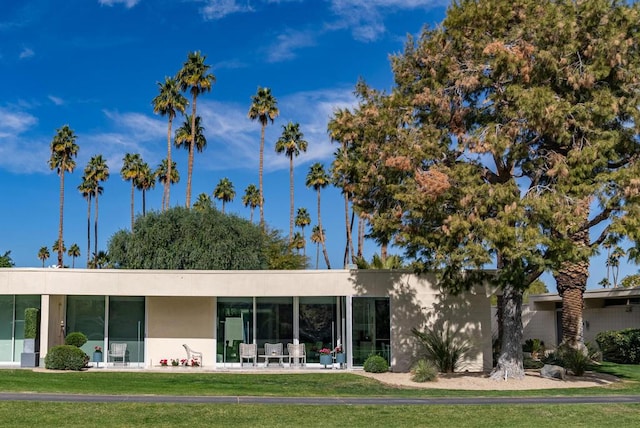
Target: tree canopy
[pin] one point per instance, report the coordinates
(200, 239)
(5, 260)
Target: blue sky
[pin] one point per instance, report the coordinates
(95, 64)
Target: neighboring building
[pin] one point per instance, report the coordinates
(604, 309)
(155, 312)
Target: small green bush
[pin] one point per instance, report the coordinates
(424, 371)
(621, 346)
(530, 363)
(575, 360)
(66, 357)
(76, 339)
(444, 348)
(376, 364)
(31, 323)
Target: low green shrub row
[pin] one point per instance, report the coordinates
(376, 364)
(620, 346)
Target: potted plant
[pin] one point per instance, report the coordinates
(30, 356)
(97, 354)
(325, 357)
(340, 355)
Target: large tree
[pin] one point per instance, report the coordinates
(194, 77)
(251, 199)
(224, 191)
(318, 179)
(264, 108)
(167, 174)
(5, 260)
(291, 143)
(145, 181)
(182, 139)
(130, 171)
(303, 219)
(43, 254)
(74, 251)
(63, 151)
(485, 134)
(168, 103)
(95, 173)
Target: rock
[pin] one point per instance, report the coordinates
(552, 372)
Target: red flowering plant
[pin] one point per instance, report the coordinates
(97, 349)
(338, 350)
(325, 351)
(194, 363)
(184, 362)
(164, 362)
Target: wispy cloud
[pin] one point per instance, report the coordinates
(56, 100)
(127, 3)
(18, 153)
(217, 9)
(287, 43)
(26, 53)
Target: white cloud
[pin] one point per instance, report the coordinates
(217, 9)
(56, 100)
(287, 43)
(26, 53)
(13, 123)
(127, 3)
(17, 153)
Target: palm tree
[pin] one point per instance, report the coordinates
(298, 242)
(203, 202)
(145, 181)
(224, 191)
(96, 172)
(251, 199)
(74, 252)
(319, 179)
(183, 140)
(131, 166)
(56, 245)
(303, 220)
(63, 150)
(43, 254)
(264, 107)
(86, 190)
(291, 143)
(100, 260)
(167, 103)
(161, 173)
(194, 76)
(317, 237)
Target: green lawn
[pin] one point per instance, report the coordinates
(303, 384)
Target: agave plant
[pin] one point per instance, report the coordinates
(444, 348)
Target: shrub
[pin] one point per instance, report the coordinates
(622, 346)
(76, 339)
(31, 322)
(444, 348)
(534, 346)
(376, 364)
(575, 360)
(66, 357)
(424, 371)
(530, 363)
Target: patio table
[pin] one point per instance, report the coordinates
(279, 357)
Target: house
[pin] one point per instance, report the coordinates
(604, 309)
(155, 312)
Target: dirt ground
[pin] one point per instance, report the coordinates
(480, 381)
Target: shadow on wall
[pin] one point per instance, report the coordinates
(417, 302)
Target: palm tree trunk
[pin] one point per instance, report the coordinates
(88, 229)
(192, 146)
(251, 215)
(322, 239)
(167, 183)
(95, 225)
(361, 223)
(144, 202)
(260, 171)
(61, 216)
(349, 247)
(132, 194)
(317, 255)
(290, 198)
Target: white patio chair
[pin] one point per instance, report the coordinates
(248, 351)
(273, 351)
(297, 352)
(117, 351)
(192, 355)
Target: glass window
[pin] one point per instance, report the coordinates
(22, 303)
(317, 325)
(6, 327)
(126, 325)
(234, 326)
(371, 328)
(86, 315)
(274, 320)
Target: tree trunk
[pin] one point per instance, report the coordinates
(260, 170)
(144, 203)
(348, 253)
(88, 229)
(291, 205)
(60, 243)
(192, 146)
(132, 195)
(167, 182)
(95, 226)
(509, 364)
(361, 223)
(322, 238)
(571, 282)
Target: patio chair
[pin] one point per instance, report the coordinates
(117, 351)
(193, 355)
(273, 351)
(297, 352)
(248, 351)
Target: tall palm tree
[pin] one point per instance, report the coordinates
(183, 140)
(224, 191)
(130, 171)
(303, 220)
(161, 174)
(203, 202)
(195, 77)
(74, 251)
(86, 188)
(298, 243)
(96, 172)
(63, 151)
(145, 181)
(317, 237)
(167, 103)
(43, 254)
(251, 199)
(319, 179)
(57, 244)
(291, 143)
(264, 108)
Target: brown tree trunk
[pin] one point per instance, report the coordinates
(88, 230)
(132, 196)
(509, 364)
(291, 199)
(192, 146)
(260, 171)
(61, 216)
(167, 182)
(322, 238)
